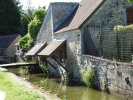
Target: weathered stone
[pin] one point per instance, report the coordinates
(111, 75)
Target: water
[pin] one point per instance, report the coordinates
(68, 92)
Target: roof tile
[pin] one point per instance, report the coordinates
(85, 10)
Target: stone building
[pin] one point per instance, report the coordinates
(8, 48)
(80, 34)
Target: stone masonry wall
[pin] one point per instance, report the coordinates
(113, 76)
(98, 36)
(46, 30)
(73, 50)
(56, 15)
(111, 13)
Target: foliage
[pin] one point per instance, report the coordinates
(15, 91)
(35, 24)
(130, 0)
(42, 65)
(25, 43)
(121, 28)
(10, 21)
(24, 72)
(33, 28)
(39, 14)
(26, 17)
(88, 76)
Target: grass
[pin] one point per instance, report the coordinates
(14, 91)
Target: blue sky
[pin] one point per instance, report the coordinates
(36, 3)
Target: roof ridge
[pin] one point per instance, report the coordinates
(85, 10)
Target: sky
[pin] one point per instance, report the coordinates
(41, 3)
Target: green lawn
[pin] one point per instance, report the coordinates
(14, 91)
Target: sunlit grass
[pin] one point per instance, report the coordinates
(14, 91)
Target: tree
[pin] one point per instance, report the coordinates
(27, 41)
(130, 0)
(26, 17)
(35, 24)
(10, 22)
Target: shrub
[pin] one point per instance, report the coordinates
(121, 28)
(25, 43)
(34, 25)
(39, 14)
(42, 65)
(130, 0)
(88, 76)
(36, 22)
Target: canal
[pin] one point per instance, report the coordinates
(65, 92)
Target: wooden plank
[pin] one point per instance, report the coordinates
(52, 47)
(36, 49)
(17, 64)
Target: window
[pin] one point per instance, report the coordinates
(129, 15)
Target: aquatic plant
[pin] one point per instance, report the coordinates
(88, 76)
(44, 68)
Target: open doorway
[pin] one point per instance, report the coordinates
(129, 12)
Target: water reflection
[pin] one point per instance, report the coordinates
(76, 92)
(70, 92)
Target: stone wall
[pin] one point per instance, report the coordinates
(98, 36)
(113, 76)
(73, 50)
(57, 13)
(110, 14)
(46, 30)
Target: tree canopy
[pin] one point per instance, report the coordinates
(10, 21)
(130, 0)
(34, 25)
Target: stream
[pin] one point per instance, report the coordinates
(65, 92)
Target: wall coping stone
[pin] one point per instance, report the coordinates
(109, 61)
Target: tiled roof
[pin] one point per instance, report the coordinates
(85, 10)
(6, 40)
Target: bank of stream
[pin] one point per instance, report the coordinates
(65, 92)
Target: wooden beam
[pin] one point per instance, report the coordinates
(15, 65)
